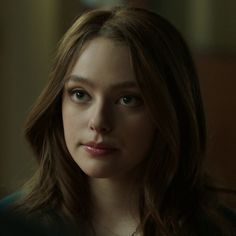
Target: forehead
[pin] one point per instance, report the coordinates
(103, 60)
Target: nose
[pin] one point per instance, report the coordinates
(100, 120)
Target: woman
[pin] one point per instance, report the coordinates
(119, 132)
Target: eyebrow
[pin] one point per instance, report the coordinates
(86, 81)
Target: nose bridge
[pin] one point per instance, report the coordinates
(100, 108)
(100, 119)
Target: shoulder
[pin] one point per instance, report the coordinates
(229, 214)
(9, 200)
(230, 217)
(222, 223)
(12, 223)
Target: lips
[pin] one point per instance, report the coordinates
(99, 149)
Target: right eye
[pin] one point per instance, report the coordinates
(79, 95)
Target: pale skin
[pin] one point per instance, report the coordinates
(103, 104)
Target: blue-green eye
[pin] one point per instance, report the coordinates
(79, 95)
(131, 101)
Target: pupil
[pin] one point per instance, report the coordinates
(127, 99)
(79, 94)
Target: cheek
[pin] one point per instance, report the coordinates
(70, 124)
(140, 127)
(142, 136)
(139, 135)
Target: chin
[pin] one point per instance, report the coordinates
(99, 174)
(99, 171)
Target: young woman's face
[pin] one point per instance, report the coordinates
(108, 131)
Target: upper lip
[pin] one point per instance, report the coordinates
(101, 145)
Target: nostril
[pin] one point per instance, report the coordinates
(104, 129)
(99, 128)
(100, 123)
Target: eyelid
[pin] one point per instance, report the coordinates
(72, 92)
(134, 94)
(138, 98)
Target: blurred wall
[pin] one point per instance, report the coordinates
(217, 76)
(28, 36)
(212, 25)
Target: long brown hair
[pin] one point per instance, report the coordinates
(172, 192)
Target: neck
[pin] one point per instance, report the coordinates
(115, 204)
(114, 195)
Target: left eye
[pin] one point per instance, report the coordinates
(130, 101)
(80, 95)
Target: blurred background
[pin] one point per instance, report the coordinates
(30, 31)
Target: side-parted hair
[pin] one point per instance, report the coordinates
(172, 193)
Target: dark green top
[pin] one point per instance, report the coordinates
(13, 225)
(9, 200)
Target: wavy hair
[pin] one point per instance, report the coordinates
(172, 192)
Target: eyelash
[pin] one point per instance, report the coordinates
(138, 101)
(73, 93)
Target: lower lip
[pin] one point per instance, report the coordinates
(98, 151)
